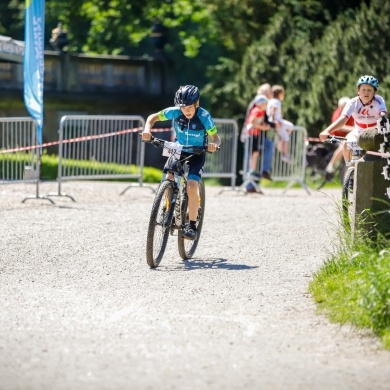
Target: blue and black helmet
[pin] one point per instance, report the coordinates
(186, 95)
(368, 80)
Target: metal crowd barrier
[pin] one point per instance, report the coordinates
(18, 160)
(248, 180)
(100, 147)
(223, 163)
(292, 171)
(20, 156)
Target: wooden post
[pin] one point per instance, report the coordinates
(372, 206)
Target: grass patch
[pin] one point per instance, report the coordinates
(49, 167)
(353, 285)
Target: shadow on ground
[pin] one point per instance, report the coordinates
(213, 263)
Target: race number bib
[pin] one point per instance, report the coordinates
(172, 149)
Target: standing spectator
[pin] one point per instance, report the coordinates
(264, 90)
(59, 38)
(283, 127)
(255, 127)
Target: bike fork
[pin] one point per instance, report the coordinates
(172, 207)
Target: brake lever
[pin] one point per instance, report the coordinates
(156, 142)
(332, 140)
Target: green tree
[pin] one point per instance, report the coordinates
(12, 19)
(317, 54)
(356, 43)
(269, 58)
(315, 48)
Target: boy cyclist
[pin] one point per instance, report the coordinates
(193, 126)
(365, 109)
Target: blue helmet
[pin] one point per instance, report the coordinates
(368, 80)
(186, 95)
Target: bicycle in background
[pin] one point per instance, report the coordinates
(318, 156)
(169, 213)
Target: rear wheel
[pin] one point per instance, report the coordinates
(337, 176)
(347, 197)
(158, 229)
(187, 247)
(341, 169)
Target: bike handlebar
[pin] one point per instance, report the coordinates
(160, 143)
(334, 139)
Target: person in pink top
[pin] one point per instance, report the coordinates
(365, 109)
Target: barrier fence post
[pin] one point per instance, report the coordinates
(250, 181)
(223, 163)
(20, 156)
(294, 171)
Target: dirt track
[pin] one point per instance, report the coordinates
(80, 309)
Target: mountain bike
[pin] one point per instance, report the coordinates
(349, 178)
(318, 156)
(169, 213)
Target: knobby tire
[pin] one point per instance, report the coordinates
(347, 197)
(159, 224)
(187, 247)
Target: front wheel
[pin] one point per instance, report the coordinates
(187, 247)
(158, 229)
(347, 197)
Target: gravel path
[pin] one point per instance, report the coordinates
(80, 308)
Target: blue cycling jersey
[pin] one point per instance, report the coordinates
(192, 131)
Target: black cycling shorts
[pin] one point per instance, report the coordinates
(195, 164)
(258, 142)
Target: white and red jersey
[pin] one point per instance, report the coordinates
(365, 115)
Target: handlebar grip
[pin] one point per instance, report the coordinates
(151, 137)
(334, 140)
(140, 135)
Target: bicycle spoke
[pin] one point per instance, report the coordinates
(158, 230)
(187, 247)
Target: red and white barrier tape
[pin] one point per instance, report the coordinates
(384, 155)
(79, 139)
